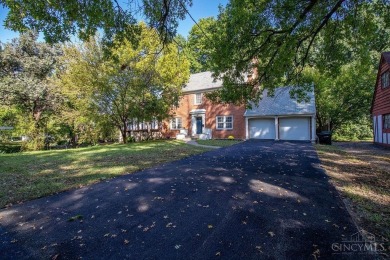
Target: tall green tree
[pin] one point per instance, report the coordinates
(139, 82)
(198, 44)
(344, 98)
(280, 38)
(26, 80)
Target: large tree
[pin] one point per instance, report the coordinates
(280, 38)
(61, 19)
(345, 98)
(138, 82)
(198, 48)
(26, 71)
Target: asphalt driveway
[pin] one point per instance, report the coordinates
(254, 200)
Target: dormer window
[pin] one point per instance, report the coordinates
(385, 79)
(198, 99)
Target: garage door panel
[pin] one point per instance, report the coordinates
(262, 128)
(297, 128)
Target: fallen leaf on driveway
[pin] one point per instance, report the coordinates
(271, 233)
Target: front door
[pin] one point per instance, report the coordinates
(199, 125)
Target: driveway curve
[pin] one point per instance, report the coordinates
(253, 200)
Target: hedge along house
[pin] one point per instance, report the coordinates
(380, 108)
(277, 118)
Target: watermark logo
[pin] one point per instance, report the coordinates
(360, 243)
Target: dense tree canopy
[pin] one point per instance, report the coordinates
(281, 38)
(60, 19)
(346, 97)
(25, 76)
(198, 44)
(138, 83)
(26, 82)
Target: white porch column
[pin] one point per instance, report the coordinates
(193, 125)
(313, 129)
(246, 128)
(276, 128)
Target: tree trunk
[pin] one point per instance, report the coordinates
(124, 133)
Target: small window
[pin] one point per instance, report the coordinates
(386, 121)
(176, 123)
(385, 79)
(224, 122)
(198, 99)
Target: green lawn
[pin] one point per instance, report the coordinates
(220, 143)
(25, 176)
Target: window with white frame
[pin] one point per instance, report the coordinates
(198, 99)
(176, 123)
(386, 121)
(385, 79)
(224, 122)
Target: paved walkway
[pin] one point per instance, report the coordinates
(193, 142)
(253, 200)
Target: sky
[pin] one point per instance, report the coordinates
(200, 9)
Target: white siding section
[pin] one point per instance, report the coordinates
(379, 136)
(375, 129)
(379, 125)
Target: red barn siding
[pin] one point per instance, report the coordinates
(381, 102)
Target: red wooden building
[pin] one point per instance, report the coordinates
(380, 109)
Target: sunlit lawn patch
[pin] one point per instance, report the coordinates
(25, 176)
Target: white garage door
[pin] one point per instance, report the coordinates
(294, 128)
(262, 128)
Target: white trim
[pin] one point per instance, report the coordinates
(176, 120)
(193, 121)
(313, 129)
(276, 128)
(224, 122)
(246, 128)
(197, 111)
(284, 115)
(196, 98)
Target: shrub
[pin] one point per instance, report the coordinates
(354, 130)
(230, 137)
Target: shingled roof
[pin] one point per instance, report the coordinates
(282, 104)
(200, 82)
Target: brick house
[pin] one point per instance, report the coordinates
(380, 108)
(196, 115)
(277, 117)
